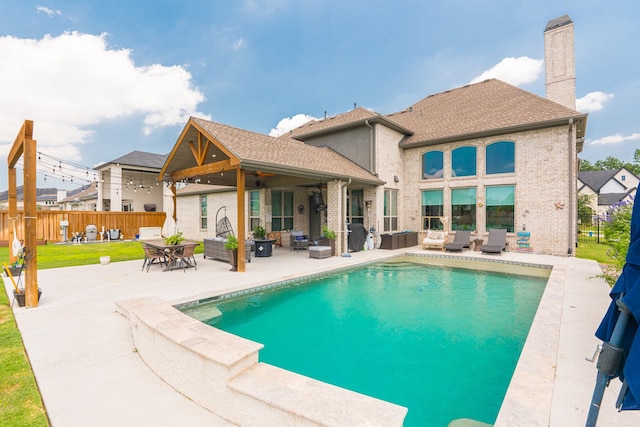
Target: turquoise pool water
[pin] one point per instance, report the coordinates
(441, 341)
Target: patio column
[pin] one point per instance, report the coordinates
(240, 186)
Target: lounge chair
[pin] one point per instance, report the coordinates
(461, 240)
(496, 243)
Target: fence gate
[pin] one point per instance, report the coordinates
(589, 229)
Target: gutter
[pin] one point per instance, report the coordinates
(280, 169)
(494, 132)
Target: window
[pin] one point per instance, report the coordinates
(390, 210)
(463, 161)
(282, 210)
(500, 157)
(432, 165)
(203, 212)
(500, 207)
(463, 209)
(355, 207)
(254, 209)
(623, 178)
(432, 210)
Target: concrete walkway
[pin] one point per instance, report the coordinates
(89, 373)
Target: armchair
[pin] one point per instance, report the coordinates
(298, 240)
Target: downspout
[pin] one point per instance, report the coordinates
(572, 183)
(345, 228)
(372, 151)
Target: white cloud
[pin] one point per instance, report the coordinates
(289, 123)
(614, 139)
(69, 83)
(48, 11)
(592, 101)
(515, 71)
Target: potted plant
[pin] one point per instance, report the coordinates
(259, 232)
(174, 239)
(231, 245)
(328, 239)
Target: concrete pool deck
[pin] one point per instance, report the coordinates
(89, 373)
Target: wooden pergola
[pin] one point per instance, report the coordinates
(25, 146)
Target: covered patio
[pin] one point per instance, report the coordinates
(216, 154)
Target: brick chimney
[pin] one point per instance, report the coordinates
(560, 69)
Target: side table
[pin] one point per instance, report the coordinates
(264, 247)
(477, 244)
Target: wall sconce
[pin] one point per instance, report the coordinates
(395, 178)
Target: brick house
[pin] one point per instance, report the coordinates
(486, 155)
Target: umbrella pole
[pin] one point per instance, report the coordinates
(610, 362)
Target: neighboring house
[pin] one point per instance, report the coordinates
(82, 199)
(129, 183)
(486, 155)
(46, 198)
(607, 187)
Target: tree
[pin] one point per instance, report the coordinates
(617, 233)
(584, 206)
(610, 163)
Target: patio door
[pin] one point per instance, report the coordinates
(315, 226)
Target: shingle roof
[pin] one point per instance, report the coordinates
(263, 152)
(138, 159)
(488, 107)
(83, 193)
(351, 118)
(596, 179)
(612, 198)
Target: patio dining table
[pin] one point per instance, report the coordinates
(171, 251)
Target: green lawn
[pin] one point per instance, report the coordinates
(594, 251)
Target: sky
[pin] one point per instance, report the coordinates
(100, 79)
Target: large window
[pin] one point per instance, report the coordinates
(254, 209)
(500, 207)
(390, 210)
(432, 210)
(463, 161)
(281, 210)
(355, 205)
(203, 212)
(500, 157)
(432, 164)
(463, 209)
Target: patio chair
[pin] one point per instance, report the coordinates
(461, 240)
(186, 257)
(298, 240)
(153, 255)
(496, 243)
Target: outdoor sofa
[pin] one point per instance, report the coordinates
(214, 249)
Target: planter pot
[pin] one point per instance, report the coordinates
(20, 297)
(16, 271)
(233, 259)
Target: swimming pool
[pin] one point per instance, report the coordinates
(441, 341)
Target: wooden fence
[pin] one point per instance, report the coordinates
(48, 223)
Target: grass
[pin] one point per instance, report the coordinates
(594, 251)
(20, 400)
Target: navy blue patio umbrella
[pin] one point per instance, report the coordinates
(620, 354)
